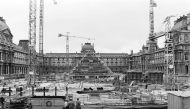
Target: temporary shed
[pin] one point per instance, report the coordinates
(179, 100)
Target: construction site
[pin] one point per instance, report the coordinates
(153, 78)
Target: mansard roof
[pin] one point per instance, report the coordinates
(5, 33)
(112, 54)
(18, 48)
(61, 54)
(3, 25)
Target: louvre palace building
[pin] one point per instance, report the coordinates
(148, 63)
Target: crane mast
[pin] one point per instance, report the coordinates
(32, 35)
(32, 39)
(169, 48)
(67, 51)
(152, 43)
(151, 18)
(41, 26)
(41, 36)
(169, 54)
(41, 18)
(67, 44)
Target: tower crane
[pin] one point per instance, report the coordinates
(152, 43)
(41, 25)
(32, 34)
(32, 39)
(169, 51)
(169, 55)
(151, 18)
(67, 44)
(41, 35)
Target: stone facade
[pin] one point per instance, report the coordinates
(151, 58)
(144, 64)
(133, 76)
(13, 58)
(181, 37)
(57, 62)
(20, 60)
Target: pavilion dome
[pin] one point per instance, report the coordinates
(87, 47)
(3, 25)
(5, 33)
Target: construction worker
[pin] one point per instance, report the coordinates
(65, 104)
(2, 100)
(78, 104)
(71, 104)
(66, 89)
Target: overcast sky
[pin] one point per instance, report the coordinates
(118, 26)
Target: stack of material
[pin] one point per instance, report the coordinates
(20, 103)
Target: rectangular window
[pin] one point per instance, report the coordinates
(186, 47)
(186, 56)
(186, 38)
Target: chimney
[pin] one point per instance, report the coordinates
(131, 52)
(24, 44)
(3, 20)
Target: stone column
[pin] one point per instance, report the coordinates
(13, 69)
(5, 69)
(16, 70)
(1, 56)
(1, 69)
(20, 69)
(24, 70)
(8, 69)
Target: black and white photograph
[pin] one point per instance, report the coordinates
(94, 54)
